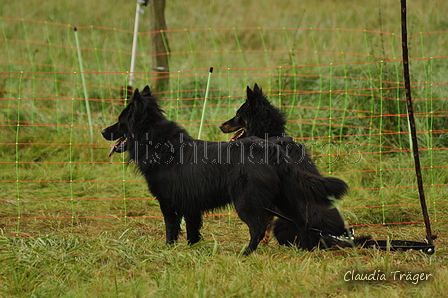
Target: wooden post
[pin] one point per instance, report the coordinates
(159, 45)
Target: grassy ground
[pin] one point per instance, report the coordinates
(75, 223)
(135, 263)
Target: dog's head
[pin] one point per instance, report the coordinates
(256, 117)
(239, 123)
(141, 111)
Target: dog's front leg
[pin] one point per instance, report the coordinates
(172, 220)
(194, 224)
(172, 226)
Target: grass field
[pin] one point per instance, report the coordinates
(75, 223)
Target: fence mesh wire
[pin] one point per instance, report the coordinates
(341, 90)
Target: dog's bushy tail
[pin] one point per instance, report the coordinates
(319, 189)
(312, 215)
(335, 187)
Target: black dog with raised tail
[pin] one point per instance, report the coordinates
(257, 117)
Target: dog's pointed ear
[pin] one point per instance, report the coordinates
(257, 90)
(136, 95)
(248, 91)
(146, 91)
(249, 94)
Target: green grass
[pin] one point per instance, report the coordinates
(135, 263)
(75, 223)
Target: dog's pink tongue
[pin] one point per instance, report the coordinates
(112, 150)
(236, 136)
(114, 146)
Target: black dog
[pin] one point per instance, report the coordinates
(189, 177)
(258, 117)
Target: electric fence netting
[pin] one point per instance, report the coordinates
(345, 100)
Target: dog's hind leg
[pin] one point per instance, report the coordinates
(257, 232)
(268, 230)
(194, 224)
(254, 189)
(172, 220)
(255, 220)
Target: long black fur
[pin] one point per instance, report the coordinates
(258, 117)
(189, 177)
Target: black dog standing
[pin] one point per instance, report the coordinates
(189, 177)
